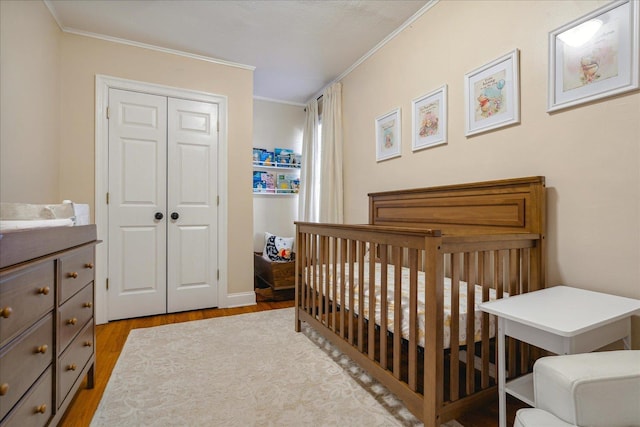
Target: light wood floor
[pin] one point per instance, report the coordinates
(110, 339)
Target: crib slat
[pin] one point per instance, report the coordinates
(497, 283)
(397, 315)
(514, 271)
(474, 267)
(309, 283)
(298, 281)
(484, 331)
(384, 308)
(314, 275)
(434, 310)
(361, 283)
(413, 319)
(352, 284)
(454, 329)
(343, 285)
(334, 282)
(371, 334)
(324, 273)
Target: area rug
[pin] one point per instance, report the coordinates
(244, 370)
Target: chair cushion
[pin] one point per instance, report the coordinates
(591, 389)
(531, 417)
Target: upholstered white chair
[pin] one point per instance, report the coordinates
(599, 389)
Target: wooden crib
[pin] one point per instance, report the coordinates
(426, 258)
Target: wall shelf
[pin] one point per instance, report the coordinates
(281, 166)
(276, 179)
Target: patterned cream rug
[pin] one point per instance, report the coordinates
(245, 370)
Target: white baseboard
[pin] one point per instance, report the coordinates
(239, 299)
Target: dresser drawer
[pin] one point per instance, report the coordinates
(74, 359)
(76, 270)
(25, 296)
(23, 361)
(35, 409)
(73, 315)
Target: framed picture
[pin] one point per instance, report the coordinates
(388, 140)
(595, 56)
(429, 119)
(492, 94)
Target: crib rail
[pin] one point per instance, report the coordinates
(338, 267)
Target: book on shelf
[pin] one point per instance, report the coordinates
(262, 157)
(285, 157)
(263, 182)
(279, 157)
(287, 183)
(257, 154)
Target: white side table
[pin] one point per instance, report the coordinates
(562, 320)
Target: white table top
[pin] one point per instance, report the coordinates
(563, 310)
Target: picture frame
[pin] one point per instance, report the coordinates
(429, 119)
(492, 94)
(388, 135)
(595, 56)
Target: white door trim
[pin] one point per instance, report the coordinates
(103, 84)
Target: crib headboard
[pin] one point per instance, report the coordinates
(504, 206)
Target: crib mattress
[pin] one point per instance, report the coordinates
(404, 298)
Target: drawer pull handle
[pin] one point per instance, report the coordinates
(88, 344)
(87, 305)
(72, 321)
(41, 409)
(4, 388)
(42, 349)
(71, 367)
(88, 265)
(73, 275)
(44, 291)
(6, 312)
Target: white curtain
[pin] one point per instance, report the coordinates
(331, 189)
(309, 197)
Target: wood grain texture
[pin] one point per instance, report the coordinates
(502, 206)
(495, 229)
(17, 246)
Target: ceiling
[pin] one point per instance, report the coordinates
(296, 46)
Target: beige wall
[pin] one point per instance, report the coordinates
(275, 125)
(48, 150)
(29, 103)
(83, 57)
(590, 154)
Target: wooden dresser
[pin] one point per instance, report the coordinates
(46, 321)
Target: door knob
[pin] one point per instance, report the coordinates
(175, 215)
(159, 216)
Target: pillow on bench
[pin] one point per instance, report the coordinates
(278, 249)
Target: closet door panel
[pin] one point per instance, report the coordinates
(192, 205)
(137, 204)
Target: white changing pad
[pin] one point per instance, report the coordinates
(16, 224)
(18, 216)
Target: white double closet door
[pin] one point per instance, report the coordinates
(163, 156)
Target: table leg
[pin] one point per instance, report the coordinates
(502, 374)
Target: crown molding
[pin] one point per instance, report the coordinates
(379, 46)
(144, 45)
(279, 101)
